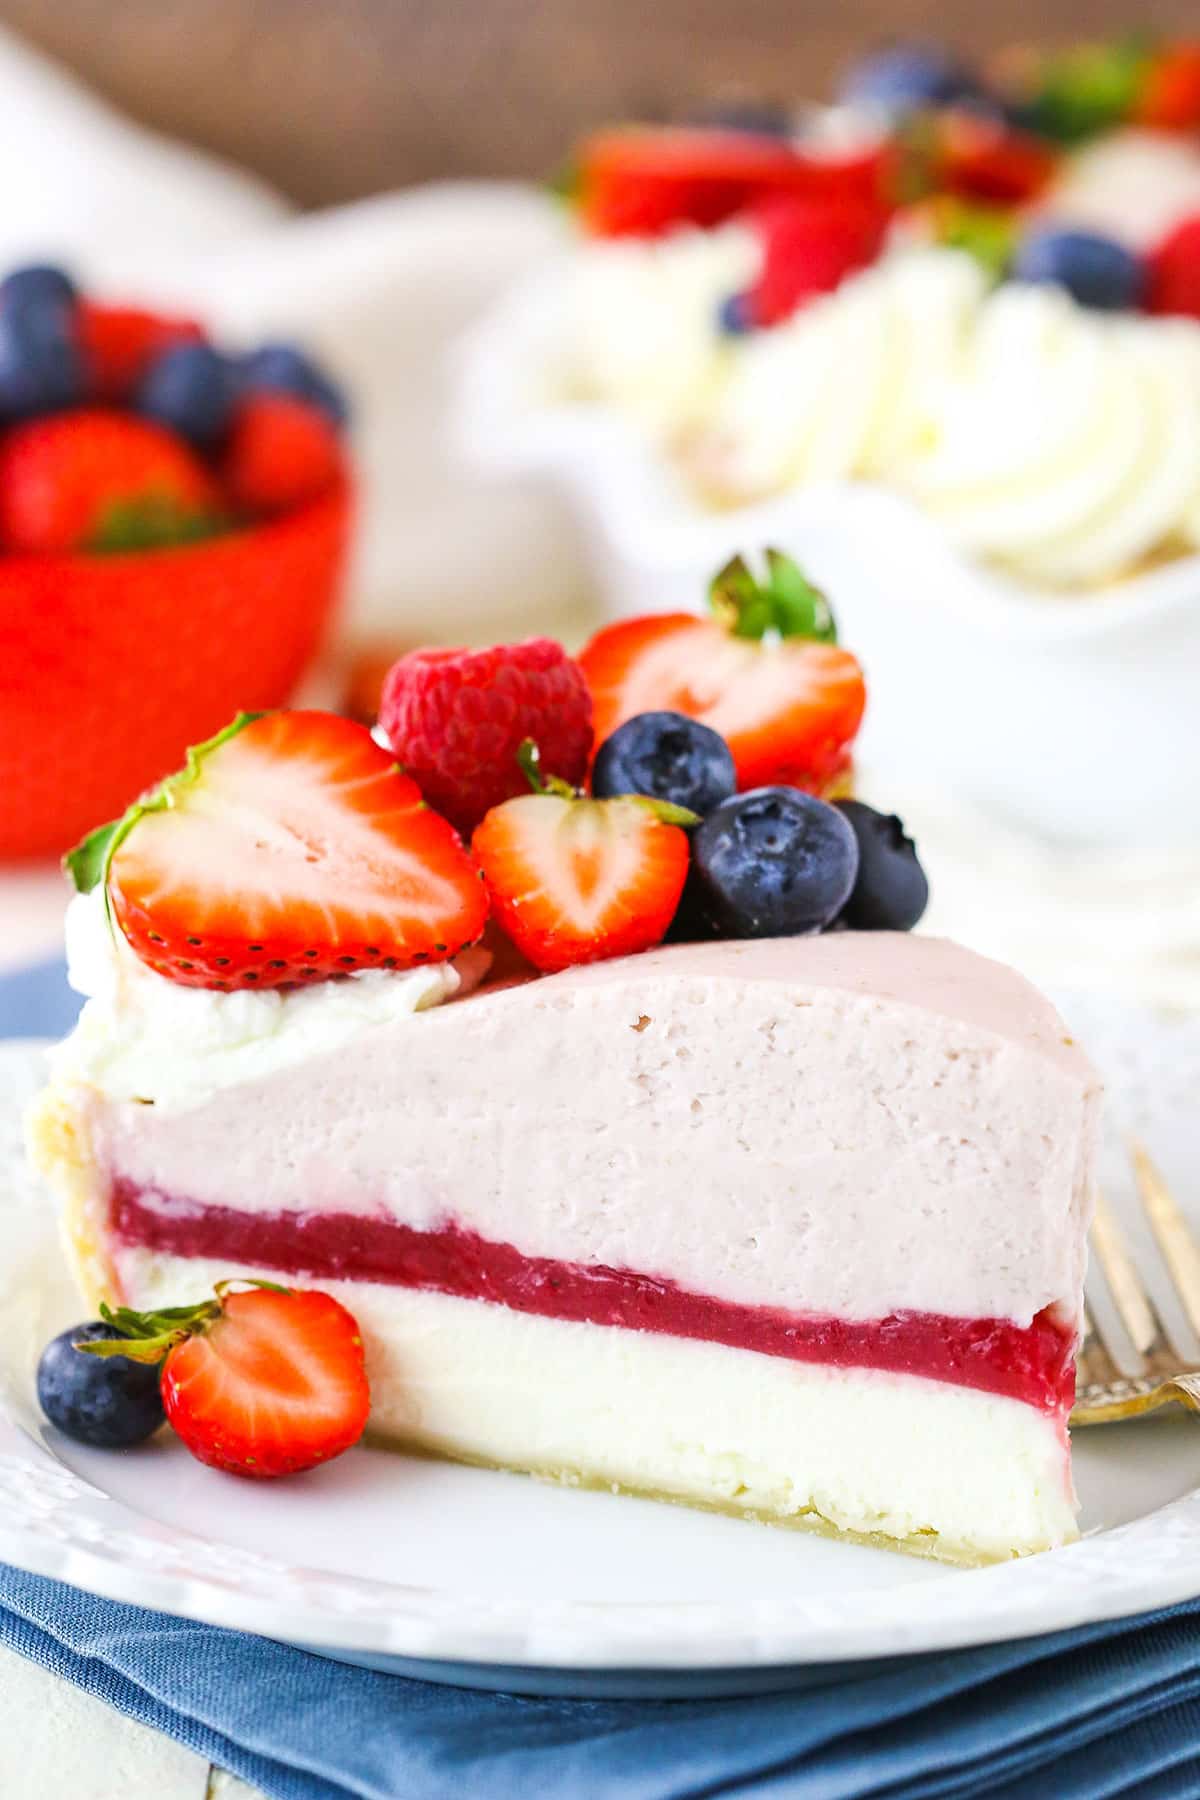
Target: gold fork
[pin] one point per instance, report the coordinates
(1165, 1374)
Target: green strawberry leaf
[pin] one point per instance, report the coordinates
(665, 811)
(786, 604)
(153, 521)
(529, 760)
(1086, 89)
(148, 1337)
(566, 182)
(988, 233)
(88, 864)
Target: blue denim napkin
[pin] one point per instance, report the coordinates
(1111, 1710)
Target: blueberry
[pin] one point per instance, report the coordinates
(107, 1401)
(773, 863)
(1096, 270)
(891, 891)
(191, 389)
(39, 284)
(41, 368)
(735, 315)
(904, 78)
(669, 757)
(282, 368)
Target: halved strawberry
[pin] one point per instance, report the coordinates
(573, 880)
(640, 181)
(290, 848)
(263, 1381)
(765, 671)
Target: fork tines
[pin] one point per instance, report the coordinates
(1130, 1295)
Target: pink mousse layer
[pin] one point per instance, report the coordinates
(1034, 1363)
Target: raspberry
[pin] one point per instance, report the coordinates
(456, 719)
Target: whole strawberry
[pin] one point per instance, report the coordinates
(119, 343)
(282, 452)
(96, 479)
(457, 718)
(261, 1381)
(764, 671)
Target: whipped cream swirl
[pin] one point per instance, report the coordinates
(844, 389)
(643, 334)
(1059, 444)
(1070, 449)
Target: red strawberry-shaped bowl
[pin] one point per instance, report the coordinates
(112, 664)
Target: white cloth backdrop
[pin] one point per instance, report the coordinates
(380, 289)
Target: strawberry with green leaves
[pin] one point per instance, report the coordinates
(764, 669)
(575, 880)
(98, 479)
(290, 849)
(259, 1381)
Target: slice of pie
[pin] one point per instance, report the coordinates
(793, 1228)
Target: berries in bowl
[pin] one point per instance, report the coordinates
(174, 523)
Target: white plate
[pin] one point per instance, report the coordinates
(495, 1580)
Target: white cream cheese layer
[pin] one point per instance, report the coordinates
(946, 1471)
(142, 1037)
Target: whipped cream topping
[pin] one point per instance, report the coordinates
(644, 334)
(1071, 448)
(143, 1037)
(1060, 443)
(845, 388)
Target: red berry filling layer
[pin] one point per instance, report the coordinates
(1032, 1363)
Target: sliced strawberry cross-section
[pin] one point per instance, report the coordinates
(763, 670)
(574, 880)
(260, 1381)
(291, 848)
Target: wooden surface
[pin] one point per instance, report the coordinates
(57, 1743)
(336, 98)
